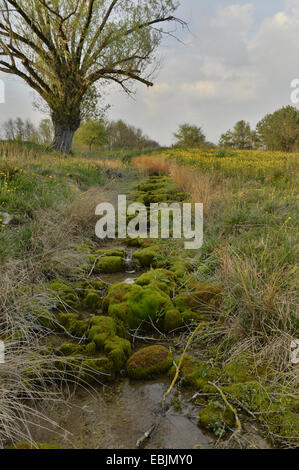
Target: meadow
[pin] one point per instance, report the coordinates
(250, 249)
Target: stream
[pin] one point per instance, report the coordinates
(117, 417)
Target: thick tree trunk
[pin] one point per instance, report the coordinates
(63, 138)
(65, 125)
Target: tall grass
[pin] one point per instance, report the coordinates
(52, 200)
(250, 234)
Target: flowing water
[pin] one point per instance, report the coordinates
(117, 417)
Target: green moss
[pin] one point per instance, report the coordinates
(103, 335)
(217, 417)
(180, 268)
(196, 374)
(118, 350)
(91, 348)
(240, 369)
(115, 294)
(25, 445)
(146, 257)
(71, 323)
(44, 318)
(101, 328)
(134, 242)
(172, 320)
(63, 292)
(149, 362)
(149, 186)
(204, 292)
(100, 369)
(118, 253)
(276, 410)
(109, 264)
(161, 278)
(69, 349)
(146, 302)
(189, 316)
(91, 300)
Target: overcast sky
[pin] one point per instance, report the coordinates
(236, 62)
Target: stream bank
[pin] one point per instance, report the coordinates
(117, 414)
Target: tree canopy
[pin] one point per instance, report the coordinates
(189, 136)
(92, 133)
(280, 130)
(240, 137)
(61, 48)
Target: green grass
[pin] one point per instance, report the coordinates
(30, 183)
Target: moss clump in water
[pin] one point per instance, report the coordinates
(146, 257)
(146, 303)
(109, 265)
(103, 333)
(149, 362)
(172, 320)
(160, 278)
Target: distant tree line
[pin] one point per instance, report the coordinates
(25, 131)
(112, 135)
(276, 131)
(97, 133)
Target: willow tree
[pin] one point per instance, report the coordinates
(62, 48)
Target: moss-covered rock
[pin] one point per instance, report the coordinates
(180, 268)
(101, 328)
(203, 293)
(71, 323)
(63, 292)
(149, 362)
(103, 333)
(109, 264)
(118, 252)
(172, 320)
(100, 369)
(69, 349)
(161, 278)
(118, 350)
(146, 257)
(146, 303)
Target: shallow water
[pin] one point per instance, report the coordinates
(116, 417)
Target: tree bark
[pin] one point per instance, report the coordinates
(65, 121)
(63, 138)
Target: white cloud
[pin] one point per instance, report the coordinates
(203, 89)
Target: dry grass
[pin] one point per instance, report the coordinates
(112, 164)
(202, 187)
(152, 166)
(263, 308)
(81, 212)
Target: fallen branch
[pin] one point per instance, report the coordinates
(238, 422)
(178, 366)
